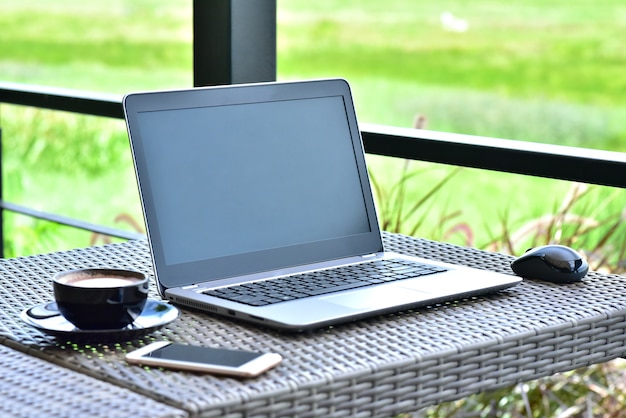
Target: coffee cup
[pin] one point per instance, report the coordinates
(96, 299)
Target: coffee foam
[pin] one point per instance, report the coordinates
(100, 281)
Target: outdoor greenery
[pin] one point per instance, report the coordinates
(533, 70)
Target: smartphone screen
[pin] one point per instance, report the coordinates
(205, 355)
(204, 359)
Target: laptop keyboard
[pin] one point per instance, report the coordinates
(320, 282)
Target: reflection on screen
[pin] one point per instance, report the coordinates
(250, 177)
(205, 355)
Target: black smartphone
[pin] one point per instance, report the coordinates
(222, 361)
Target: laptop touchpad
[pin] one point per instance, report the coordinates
(376, 298)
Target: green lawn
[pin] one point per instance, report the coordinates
(536, 70)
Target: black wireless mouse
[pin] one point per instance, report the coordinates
(552, 263)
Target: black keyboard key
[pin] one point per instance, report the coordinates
(322, 282)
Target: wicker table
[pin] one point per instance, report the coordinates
(376, 367)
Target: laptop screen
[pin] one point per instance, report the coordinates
(258, 176)
(251, 185)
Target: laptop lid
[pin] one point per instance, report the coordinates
(241, 179)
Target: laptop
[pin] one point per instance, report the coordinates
(258, 207)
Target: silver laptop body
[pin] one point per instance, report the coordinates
(249, 183)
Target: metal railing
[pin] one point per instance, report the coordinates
(535, 159)
(234, 41)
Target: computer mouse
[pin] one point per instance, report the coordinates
(552, 263)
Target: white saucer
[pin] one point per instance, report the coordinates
(48, 319)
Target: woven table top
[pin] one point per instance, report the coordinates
(375, 367)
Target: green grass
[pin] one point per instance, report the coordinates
(546, 71)
(78, 166)
(113, 46)
(536, 49)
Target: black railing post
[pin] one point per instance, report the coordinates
(234, 41)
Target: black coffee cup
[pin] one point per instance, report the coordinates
(96, 299)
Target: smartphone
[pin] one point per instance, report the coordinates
(195, 358)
